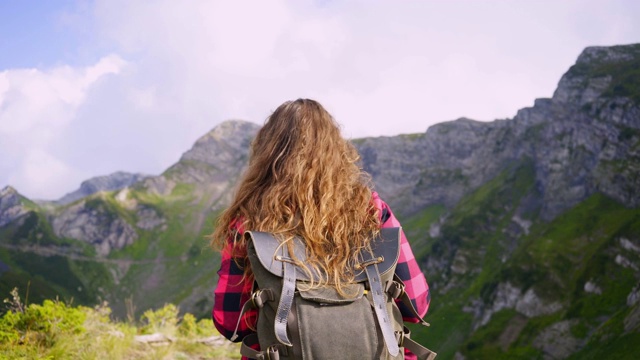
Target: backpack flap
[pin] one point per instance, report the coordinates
(268, 248)
(328, 295)
(386, 247)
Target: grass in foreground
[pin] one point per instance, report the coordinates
(55, 330)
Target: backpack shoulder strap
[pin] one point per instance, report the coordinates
(275, 258)
(385, 251)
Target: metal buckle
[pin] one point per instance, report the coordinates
(399, 290)
(272, 353)
(256, 300)
(366, 263)
(395, 289)
(400, 335)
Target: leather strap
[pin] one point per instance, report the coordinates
(379, 305)
(405, 341)
(296, 349)
(420, 351)
(257, 300)
(286, 299)
(395, 289)
(271, 353)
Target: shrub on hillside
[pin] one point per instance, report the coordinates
(40, 324)
(55, 330)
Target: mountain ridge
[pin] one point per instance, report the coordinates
(111, 182)
(527, 228)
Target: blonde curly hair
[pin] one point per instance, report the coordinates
(304, 179)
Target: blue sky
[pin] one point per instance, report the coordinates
(33, 34)
(88, 88)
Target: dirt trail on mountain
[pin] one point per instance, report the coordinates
(215, 193)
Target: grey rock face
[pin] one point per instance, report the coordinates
(219, 146)
(159, 185)
(216, 156)
(115, 181)
(148, 218)
(557, 342)
(212, 164)
(580, 143)
(94, 225)
(579, 90)
(531, 305)
(633, 297)
(608, 54)
(591, 287)
(583, 141)
(11, 207)
(508, 296)
(438, 167)
(579, 85)
(632, 321)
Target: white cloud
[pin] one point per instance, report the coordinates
(381, 68)
(47, 99)
(144, 99)
(39, 172)
(36, 106)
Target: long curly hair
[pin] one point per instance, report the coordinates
(304, 180)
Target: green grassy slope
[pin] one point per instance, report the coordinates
(171, 263)
(555, 260)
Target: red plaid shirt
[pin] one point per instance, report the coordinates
(232, 291)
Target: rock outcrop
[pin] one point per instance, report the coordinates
(583, 140)
(93, 222)
(11, 207)
(115, 181)
(149, 219)
(508, 296)
(214, 161)
(216, 156)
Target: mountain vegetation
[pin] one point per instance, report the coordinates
(528, 229)
(56, 330)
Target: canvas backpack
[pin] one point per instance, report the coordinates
(298, 322)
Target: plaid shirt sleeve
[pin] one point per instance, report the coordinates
(407, 268)
(232, 291)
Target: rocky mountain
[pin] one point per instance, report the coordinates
(528, 229)
(213, 163)
(115, 181)
(11, 206)
(575, 139)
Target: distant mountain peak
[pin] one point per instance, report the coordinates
(8, 190)
(463, 121)
(601, 72)
(116, 181)
(228, 129)
(11, 205)
(219, 144)
(608, 54)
